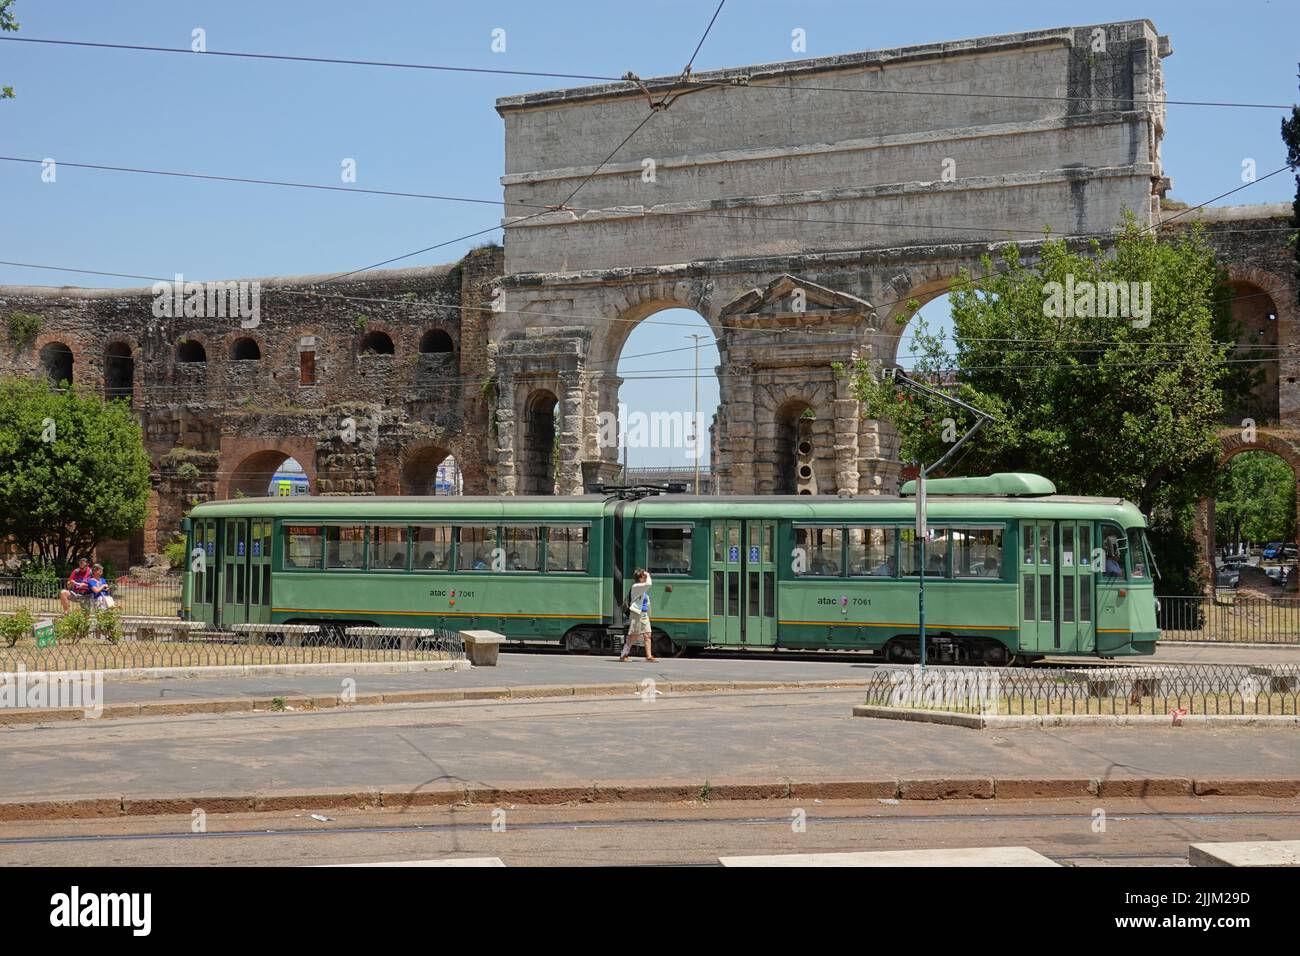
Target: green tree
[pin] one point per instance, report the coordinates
(7, 23)
(1255, 499)
(1110, 406)
(75, 470)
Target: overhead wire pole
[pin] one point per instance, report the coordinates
(695, 420)
(981, 419)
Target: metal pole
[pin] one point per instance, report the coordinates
(695, 421)
(922, 529)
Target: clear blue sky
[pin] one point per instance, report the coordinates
(437, 132)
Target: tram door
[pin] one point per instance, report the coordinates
(1077, 627)
(742, 583)
(203, 596)
(259, 572)
(1056, 587)
(234, 573)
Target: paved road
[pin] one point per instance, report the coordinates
(773, 735)
(548, 666)
(1137, 832)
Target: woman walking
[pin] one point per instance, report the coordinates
(638, 609)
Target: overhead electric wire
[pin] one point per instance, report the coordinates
(656, 82)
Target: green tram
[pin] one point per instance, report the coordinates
(1014, 571)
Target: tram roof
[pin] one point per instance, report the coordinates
(667, 507)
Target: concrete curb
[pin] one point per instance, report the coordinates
(311, 702)
(1274, 645)
(261, 670)
(885, 789)
(1028, 721)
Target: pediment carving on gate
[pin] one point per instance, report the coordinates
(789, 301)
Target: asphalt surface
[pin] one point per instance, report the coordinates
(550, 666)
(772, 736)
(1132, 832)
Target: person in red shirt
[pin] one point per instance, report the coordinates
(78, 583)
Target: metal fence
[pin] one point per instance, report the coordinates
(1225, 617)
(1163, 690)
(142, 598)
(212, 648)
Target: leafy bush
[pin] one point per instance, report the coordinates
(174, 553)
(14, 629)
(36, 571)
(108, 625)
(23, 328)
(73, 626)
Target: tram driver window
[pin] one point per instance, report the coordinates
(302, 548)
(1112, 559)
(345, 547)
(668, 550)
(977, 552)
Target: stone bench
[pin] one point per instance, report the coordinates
(482, 647)
(1276, 678)
(291, 635)
(143, 628)
(391, 638)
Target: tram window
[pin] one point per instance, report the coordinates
(1044, 545)
(302, 548)
(822, 550)
(345, 547)
(1085, 549)
(936, 552)
(1113, 561)
(668, 549)
(474, 547)
(871, 552)
(566, 547)
(432, 547)
(1137, 561)
(521, 547)
(387, 548)
(719, 544)
(977, 552)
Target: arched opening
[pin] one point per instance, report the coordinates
(436, 341)
(56, 359)
(541, 452)
(430, 471)
(246, 350)
(1254, 318)
(376, 343)
(119, 372)
(1254, 530)
(668, 401)
(191, 352)
(268, 473)
(796, 450)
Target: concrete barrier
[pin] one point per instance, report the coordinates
(1261, 853)
(482, 647)
(968, 856)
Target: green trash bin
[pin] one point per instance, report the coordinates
(43, 631)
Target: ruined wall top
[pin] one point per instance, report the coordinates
(1063, 130)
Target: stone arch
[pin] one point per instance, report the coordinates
(245, 348)
(376, 341)
(786, 418)
(58, 361)
(437, 341)
(1264, 315)
(119, 370)
(1285, 444)
(418, 467)
(539, 434)
(246, 465)
(922, 285)
(191, 350)
(632, 304)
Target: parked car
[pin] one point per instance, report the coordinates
(1271, 550)
(1227, 578)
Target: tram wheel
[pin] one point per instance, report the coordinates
(662, 645)
(576, 642)
(897, 652)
